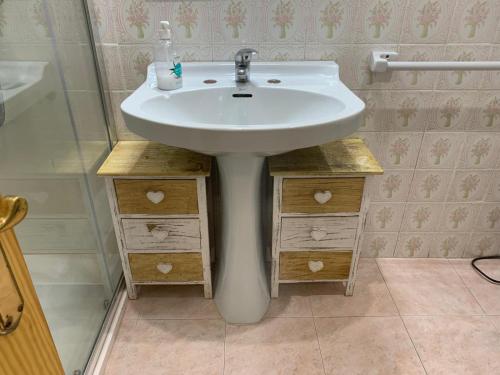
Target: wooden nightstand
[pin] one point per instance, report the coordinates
(319, 210)
(158, 198)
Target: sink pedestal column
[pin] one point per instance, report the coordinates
(241, 293)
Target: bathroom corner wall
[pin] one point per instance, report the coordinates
(437, 134)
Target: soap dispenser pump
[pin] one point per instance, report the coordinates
(167, 63)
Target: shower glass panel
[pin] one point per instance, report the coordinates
(53, 136)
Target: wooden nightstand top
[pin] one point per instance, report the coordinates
(346, 157)
(144, 158)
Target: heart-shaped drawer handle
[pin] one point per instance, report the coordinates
(160, 234)
(164, 267)
(157, 232)
(318, 234)
(315, 265)
(322, 196)
(155, 196)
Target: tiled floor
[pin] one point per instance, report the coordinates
(407, 316)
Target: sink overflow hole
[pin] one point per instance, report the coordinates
(242, 95)
(273, 81)
(210, 81)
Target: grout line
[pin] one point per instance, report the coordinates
(309, 302)
(387, 286)
(406, 201)
(467, 287)
(319, 345)
(414, 347)
(402, 320)
(183, 318)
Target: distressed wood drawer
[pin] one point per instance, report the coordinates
(315, 265)
(318, 232)
(166, 267)
(322, 195)
(166, 234)
(160, 197)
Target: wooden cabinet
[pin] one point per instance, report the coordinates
(179, 267)
(159, 201)
(318, 232)
(156, 197)
(319, 211)
(322, 195)
(158, 234)
(315, 265)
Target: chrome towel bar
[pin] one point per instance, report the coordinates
(380, 61)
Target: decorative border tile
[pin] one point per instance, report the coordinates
(331, 21)
(285, 21)
(480, 151)
(379, 21)
(421, 217)
(378, 244)
(482, 244)
(430, 185)
(451, 111)
(384, 217)
(469, 185)
(392, 186)
(191, 21)
(440, 150)
(458, 217)
(474, 21)
(237, 21)
(414, 245)
(488, 218)
(427, 21)
(449, 245)
(136, 21)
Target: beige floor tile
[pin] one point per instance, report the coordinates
(125, 334)
(486, 293)
(495, 319)
(371, 296)
(275, 346)
(171, 302)
(174, 347)
(293, 301)
(456, 345)
(427, 287)
(367, 345)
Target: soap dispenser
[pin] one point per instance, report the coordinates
(167, 64)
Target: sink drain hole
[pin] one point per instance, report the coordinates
(210, 81)
(242, 95)
(273, 81)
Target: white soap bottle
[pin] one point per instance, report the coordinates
(167, 64)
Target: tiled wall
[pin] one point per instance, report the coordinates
(436, 133)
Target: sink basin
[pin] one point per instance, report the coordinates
(284, 106)
(309, 106)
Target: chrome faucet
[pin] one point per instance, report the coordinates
(242, 61)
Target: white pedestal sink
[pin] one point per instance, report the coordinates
(285, 106)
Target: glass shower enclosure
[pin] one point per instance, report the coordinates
(53, 137)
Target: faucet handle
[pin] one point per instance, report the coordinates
(244, 55)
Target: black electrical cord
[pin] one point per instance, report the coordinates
(490, 279)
